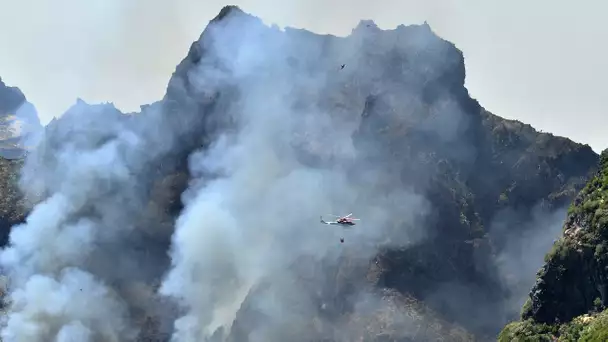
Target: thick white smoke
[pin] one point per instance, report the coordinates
(262, 213)
(67, 263)
(53, 295)
(252, 210)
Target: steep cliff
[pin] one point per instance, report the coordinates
(403, 93)
(272, 128)
(570, 292)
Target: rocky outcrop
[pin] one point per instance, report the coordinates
(571, 287)
(403, 93)
(19, 123)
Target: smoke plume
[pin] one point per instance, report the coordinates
(83, 175)
(273, 130)
(251, 212)
(259, 215)
(524, 249)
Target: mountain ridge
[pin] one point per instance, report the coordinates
(448, 83)
(419, 141)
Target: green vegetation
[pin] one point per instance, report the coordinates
(559, 251)
(527, 331)
(587, 219)
(583, 248)
(597, 331)
(592, 200)
(527, 306)
(587, 328)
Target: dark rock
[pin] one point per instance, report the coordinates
(413, 115)
(10, 98)
(575, 275)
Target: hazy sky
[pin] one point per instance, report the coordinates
(541, 62)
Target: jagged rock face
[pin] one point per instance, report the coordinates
(401, 96)
(569, 299)
(574, 280)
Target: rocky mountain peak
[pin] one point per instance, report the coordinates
(260, 131)
(19, 123)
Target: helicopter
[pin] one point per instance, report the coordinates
(345, 221)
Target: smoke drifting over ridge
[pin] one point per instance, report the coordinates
(259, 217)
(275, 134)
(256, 217)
